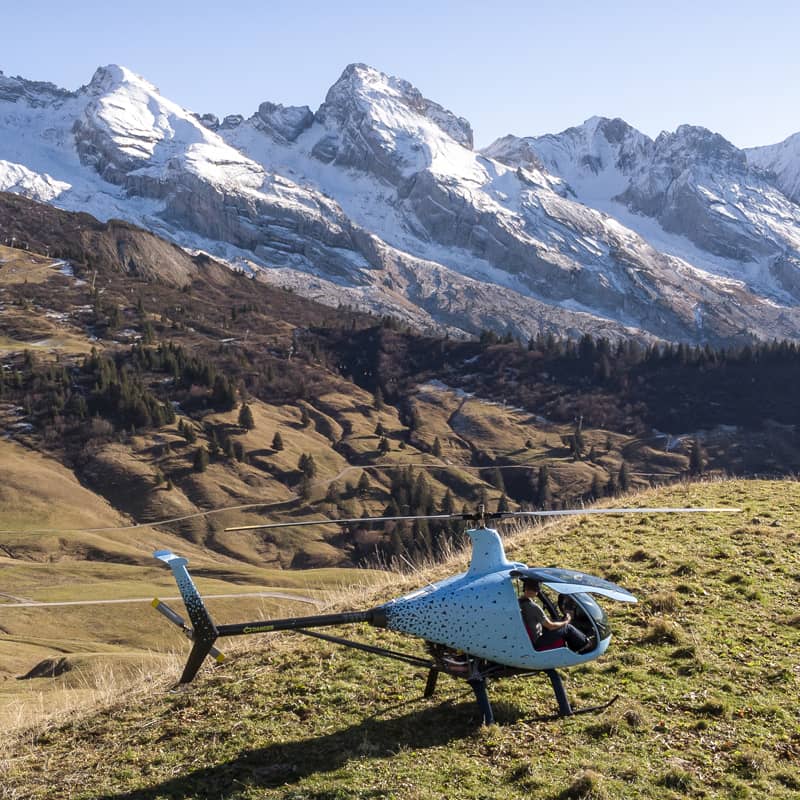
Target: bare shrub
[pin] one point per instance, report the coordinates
(663, 602)
(586, 786)
(663, 631)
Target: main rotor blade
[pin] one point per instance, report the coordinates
(350, 521)
(489, 515)
(573, 512)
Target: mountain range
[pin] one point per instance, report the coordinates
(379, 200)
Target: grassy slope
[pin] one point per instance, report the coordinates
(339, 431)
(706, 666)
(44, 517)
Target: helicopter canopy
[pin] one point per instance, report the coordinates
(568, 581)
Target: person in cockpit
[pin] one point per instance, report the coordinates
(545, 633)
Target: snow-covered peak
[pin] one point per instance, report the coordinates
(373, 121)
(595, 159)
(783, 161)
(113, 77)
(127, 125)
(599, 145)
(135, 117)
(514, 151)
(692, 145)
(365, 87)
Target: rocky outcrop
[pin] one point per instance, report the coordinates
(37, 94)
(282, 123)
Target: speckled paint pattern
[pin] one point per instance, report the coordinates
(201, 621)
(478, 612)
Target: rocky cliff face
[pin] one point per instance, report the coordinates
(689, 183)
(34, 93)
(715, 206)
(781, 163)
(380, 200)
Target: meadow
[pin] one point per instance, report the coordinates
(705, 666)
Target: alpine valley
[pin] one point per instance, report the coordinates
(351, 313)
(379, 201)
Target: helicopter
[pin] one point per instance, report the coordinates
(471, 623)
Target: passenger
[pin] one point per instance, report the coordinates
(566, 605)
(547, 634)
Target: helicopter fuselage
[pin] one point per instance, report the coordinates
(478, 611)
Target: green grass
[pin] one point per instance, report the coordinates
(706, 670)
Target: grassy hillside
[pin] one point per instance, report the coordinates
(61, 544)
(95, 353)
(705, 665)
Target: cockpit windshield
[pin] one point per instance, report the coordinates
(593, 610)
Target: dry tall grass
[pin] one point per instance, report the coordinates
(48, 703)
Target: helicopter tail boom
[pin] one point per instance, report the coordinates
(204, 632)
(373, 617)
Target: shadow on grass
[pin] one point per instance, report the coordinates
(288, 763)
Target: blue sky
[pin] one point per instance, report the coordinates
(509, 67)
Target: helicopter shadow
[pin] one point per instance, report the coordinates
(286, 763)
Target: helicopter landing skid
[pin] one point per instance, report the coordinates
(575, 712)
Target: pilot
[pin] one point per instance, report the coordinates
(545, 633)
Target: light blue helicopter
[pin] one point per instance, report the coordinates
(471, 623)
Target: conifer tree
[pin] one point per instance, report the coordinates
(624, 478)
(497, 479)
(307, 466)
(543, 489)
(246, 419)
(596, 492)
(223, 394)
(200, 459)
(448, 504)
(188, 431)
(277, 442)
(697, 458)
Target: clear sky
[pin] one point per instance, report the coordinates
(525, 68)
